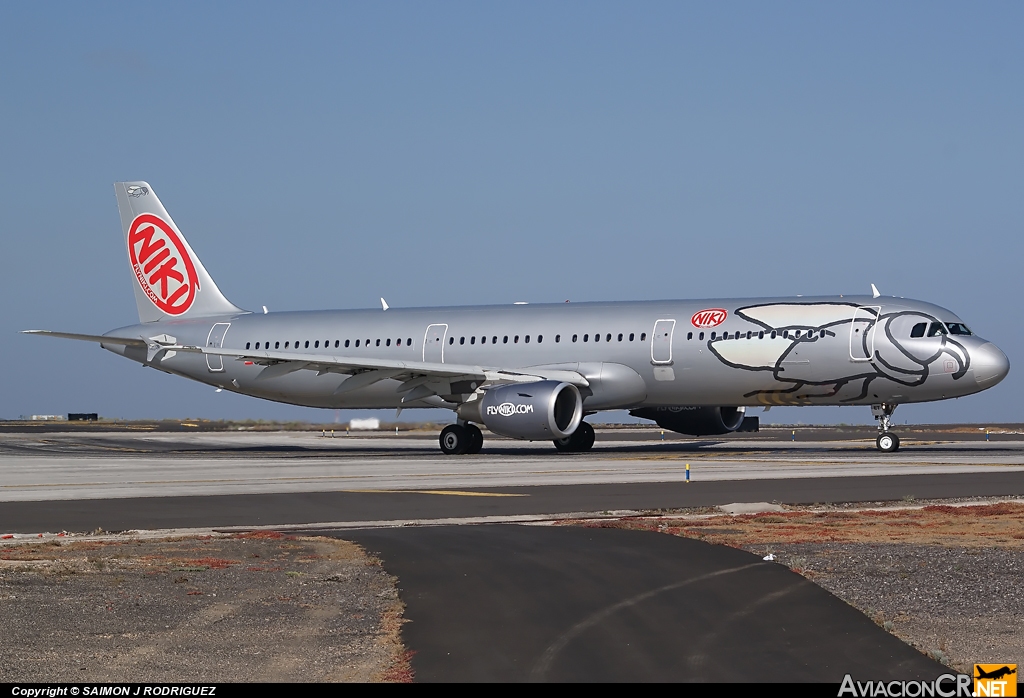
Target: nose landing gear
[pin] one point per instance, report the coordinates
(887, 442)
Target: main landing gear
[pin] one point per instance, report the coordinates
(887, 442)
(580, 440)
(459, 439)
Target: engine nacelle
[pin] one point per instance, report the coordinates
(695, 421)
(541, 411)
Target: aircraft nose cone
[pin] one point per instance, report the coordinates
(990, 365)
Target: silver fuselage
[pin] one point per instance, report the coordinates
(852, 350)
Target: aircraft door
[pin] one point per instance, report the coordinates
(661, 341)
(862, 335)
(433, 344)
(216, 339)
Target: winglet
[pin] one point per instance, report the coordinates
(384, 304)
(874, 291)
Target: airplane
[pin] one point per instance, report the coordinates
(534, 371)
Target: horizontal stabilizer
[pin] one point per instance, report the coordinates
(102, 339)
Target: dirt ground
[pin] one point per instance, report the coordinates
(270, 607)
(945, 579)
(255, 607)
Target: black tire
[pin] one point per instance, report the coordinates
(580, 440)
(587, 436)
(476, 438)
(454, 440)
(887, 442)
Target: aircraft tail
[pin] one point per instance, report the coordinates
(169, 280)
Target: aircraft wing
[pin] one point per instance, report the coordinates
(419, 379)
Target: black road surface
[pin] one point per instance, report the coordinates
(540, 603)
(331, 507)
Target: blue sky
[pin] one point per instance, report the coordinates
(324, 155)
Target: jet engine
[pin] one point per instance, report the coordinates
(695, 421)
(541, 411)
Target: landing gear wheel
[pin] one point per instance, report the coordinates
(887, 442)
(454, 440)
(476, 438)
(580, 440)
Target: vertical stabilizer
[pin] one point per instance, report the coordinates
(169, 280)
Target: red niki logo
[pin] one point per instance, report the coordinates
(162, 264)
(712, 317)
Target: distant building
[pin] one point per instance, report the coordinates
(83, 417)
(47, 418)
(371, 423)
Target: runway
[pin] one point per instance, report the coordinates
(527, 602)
(120, 465)
(124, 481)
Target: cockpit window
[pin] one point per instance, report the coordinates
(936, 329)
(958, 328)
(919, 329)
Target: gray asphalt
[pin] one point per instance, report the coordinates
(533, 603)
(398, 506)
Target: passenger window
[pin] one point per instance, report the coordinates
(277, 345)
(316, 344)
(286, 345)
(357, 342)
(516, 340)
(451, 340)
(608, 337)
(574, 337)
(798, 334)
(643, 336)
(483, 340)
(387, 343)
(247, 345)
(346, 343)
(749, 334)
(821, 334)
(597, 338)
(398, 342)
(586, 337)
(620, 336)
(936, 329)
(527, 339)
(773, 334)
(257, 345)
(713, 336)
(558, 338)
(689, 336)
(785, 334)
(919, 329)
(540, 338)
(701, 337)
(408, 341)
(462, 340)
(307, 344)
(378, 342)
(505, 340)
(631, 336)
(760, 335)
